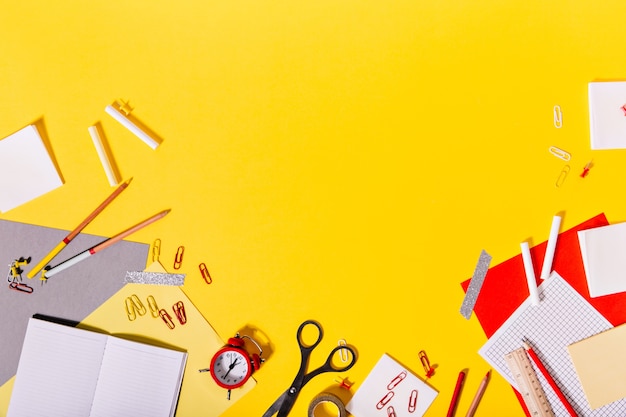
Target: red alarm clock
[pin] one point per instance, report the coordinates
(232, 365)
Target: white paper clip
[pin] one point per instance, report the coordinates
(558, 117)
(121, 113)
(560, 153)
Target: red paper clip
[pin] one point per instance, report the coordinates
(179, 310)
(18, 286)
(178, 259)
(394, 382)
(391, 412)
(166, 318)
(383, 401)
(586, 170)
(430, 371)
(205, 273)
(413, 401)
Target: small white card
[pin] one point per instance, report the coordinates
(26, 170)
(391, 387)
(607, 118)
(603, 251)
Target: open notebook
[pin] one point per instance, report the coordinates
(66, 372)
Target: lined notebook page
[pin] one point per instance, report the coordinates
(57, 372)
(138, 380)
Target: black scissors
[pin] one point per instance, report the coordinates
(285, 402)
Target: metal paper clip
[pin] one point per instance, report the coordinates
(558, 117)
(561, 178)
(156, 250)
(139, 307)
(166, 318)
(560, 153)
(152, 305)
(178, 259)
(204, 271)
(179, 311)
(430, 371)
(130, 309)
(394, 382)
(413, 401)
(383, 401)
(15, 269)
(391, 412)
(18, 286)
(343, 355)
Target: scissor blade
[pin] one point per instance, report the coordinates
(276, 406)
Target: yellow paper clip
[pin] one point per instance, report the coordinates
(561, 178)
(130, 309)
(167, 319)
(152, 305)
(558, 117)
(139, 307)
(205, 273)
(156, 250)
(179, 311)
(178, 259)
(430, 371)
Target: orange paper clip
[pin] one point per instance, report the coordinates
(166, 318)
(18, 286)
(383, 401)
(430, 371)
(178, 259)
(179, 311)
(413, 401)
(205, 273)
(391, 412)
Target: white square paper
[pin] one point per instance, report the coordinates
(389, 384)
(603, 251)
(26, 170)
(607, 119)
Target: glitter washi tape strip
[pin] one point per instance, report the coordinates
(475, 284)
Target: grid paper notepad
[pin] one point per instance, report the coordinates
(562, 317)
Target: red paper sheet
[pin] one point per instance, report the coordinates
(505, 287)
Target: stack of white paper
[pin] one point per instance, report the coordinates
(607, 119)
(603, 251)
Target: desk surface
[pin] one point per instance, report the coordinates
(340, 161)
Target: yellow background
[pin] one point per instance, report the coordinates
(343, 161)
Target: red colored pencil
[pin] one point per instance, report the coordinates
(456, 394)
(551, 381)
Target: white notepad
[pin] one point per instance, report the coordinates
(603, 250)
(26, 170)
(69, 372)
(607, 121)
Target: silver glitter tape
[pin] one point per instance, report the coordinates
(158, 278)
(475, 284)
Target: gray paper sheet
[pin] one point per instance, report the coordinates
(72, 294)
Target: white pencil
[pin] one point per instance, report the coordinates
(530, 273)
(546, 268)
(128, 124)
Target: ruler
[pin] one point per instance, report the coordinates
(528, 384)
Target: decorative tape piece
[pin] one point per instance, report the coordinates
(157, 278)
(475, 284)
(327, 397)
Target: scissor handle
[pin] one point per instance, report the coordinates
(304, 347)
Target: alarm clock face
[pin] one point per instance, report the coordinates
(230, 367)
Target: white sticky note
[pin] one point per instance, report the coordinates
(607, 119)
(389, 384)
(26, 169)
(602, 250)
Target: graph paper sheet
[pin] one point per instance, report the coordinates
(561, 318)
